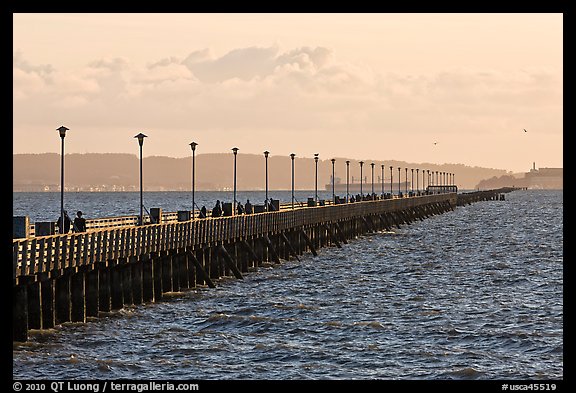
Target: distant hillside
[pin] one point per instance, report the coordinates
(120, 172)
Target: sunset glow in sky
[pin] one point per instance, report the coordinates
(363, 86)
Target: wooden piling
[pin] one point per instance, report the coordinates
(157, 266)
(104, 292)
(147, 279)
(19, 313)
(47, 295)
(200, 270)
(78, 309)
(230, 262)
(136, 275)
(116, 288)
(309, 243)
(34, 306)
(126, 269)
(91, 290)
(62, 298)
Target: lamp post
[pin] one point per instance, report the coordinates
(423, 180)
(399, 190)
(428, 176)
(417, 184)
(437, 181)
(62, 130)
(235, 150)
(382, 180)
(266, 159)
(361, 178)
(292, 157)
(193, 147)
(372, 165)
(412, 181)
(391, 191)
(141, 137)
(316, 177)
(347, 181)
(406, 184)
(333, 192)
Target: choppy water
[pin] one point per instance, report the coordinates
(476, 293)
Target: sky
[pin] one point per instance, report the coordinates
(422, 88)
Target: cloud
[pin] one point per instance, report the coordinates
(301, 89)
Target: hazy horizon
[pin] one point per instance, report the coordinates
(437, 88)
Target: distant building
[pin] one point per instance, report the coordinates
(545, 178)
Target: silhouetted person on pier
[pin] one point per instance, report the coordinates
(248, 207)
(240, 208)
(66, 227)
(79, 222)
(352, 200)
(202, 212)
(217, 209)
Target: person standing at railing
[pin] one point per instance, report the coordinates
(79, 222)
(248, 207)
(217, 209)
(66, 227)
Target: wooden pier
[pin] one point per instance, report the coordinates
(69, 277)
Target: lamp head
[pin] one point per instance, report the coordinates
(193, 145)
(333, 160)
(62, 131)
(292, 155)
(235, 150)
(140, 137)
(266, 153)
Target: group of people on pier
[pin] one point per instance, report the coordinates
(78, 225)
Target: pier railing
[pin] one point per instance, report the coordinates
(168, 217)
(46, 254)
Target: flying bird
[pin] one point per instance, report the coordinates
(435, 142)
(525, 130)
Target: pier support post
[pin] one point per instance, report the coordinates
(136, 266)
(126, 269)
(201, 273)
(213, 261)
(309, 242)
(166, 273)
(230, 262)
(147, 280)
(290, 247)
(175, 266)
(91, 288)
(34, 306)
(47, 293)
(271, 248)
(19, 313)
(62, 298)
(157, 275)
(259, 245)
(104, 295)
(78, 311)
(182, 262)
(116, 292)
